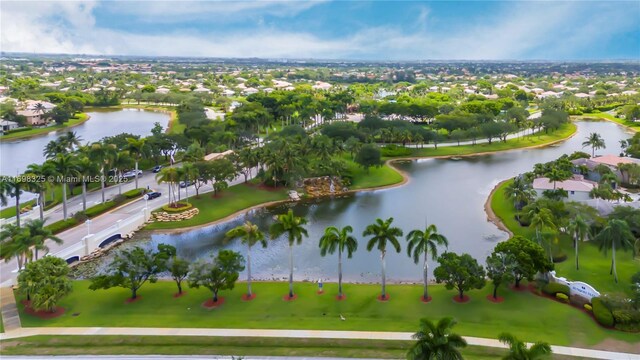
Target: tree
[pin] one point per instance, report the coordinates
(518, 349)
(635, 288)
(38, 234)
(382, 233)
(542, 219)
(103, 155)
(500, 268)
(529, 258)
(45, 282)
(170, 176)
(421, 243)
(15, 242)
(222, 171)
(250, 235)
(460, 272)
(136, 148)
(66, 166)
(368, 156)
(579, 230)
(520, 192)
(220, 274)
(436, 341)
(293, 227)
(132, 268)
(14, 187)
(616, 234)
(338, 239)
(595, 141)
(179, 269)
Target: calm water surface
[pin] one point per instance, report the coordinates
(15, 156)
(448, 193)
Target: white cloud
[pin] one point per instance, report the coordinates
(523, 30)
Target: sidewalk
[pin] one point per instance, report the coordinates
(304, 334)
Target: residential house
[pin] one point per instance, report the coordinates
(577, 188)
(6, 125)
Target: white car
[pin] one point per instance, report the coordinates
(131, 174)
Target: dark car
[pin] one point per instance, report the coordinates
(153, 195)
(156, 169)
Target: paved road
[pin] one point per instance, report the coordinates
(300, 334)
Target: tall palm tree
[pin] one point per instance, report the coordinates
(338, 239)
(542, 219)
(86, 168)
(42, 172)
(5, 190)
(556, 175)
(519, 192)
(103, 155)
(38, 234)
(518, 349)
(250, 235)
(15, 185)
(616, 234)
(70, 140)
(188, 173)
(293, 227)
(136, 149)
(14, 242)
(382, 233)
(579, 230)
(120, 162)
(424, 243)
(170, 176)
(595, 141)
(66, 166)
(53, 148)
(436, 341)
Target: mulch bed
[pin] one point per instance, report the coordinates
(428, 299)
(521, 288)
(177, 295)
(320, 292)
(43, 314)
(130, 300)
(465, 299)
(386, 298)
(340, 298)
(246, 297)
(287, 298)
(497, 300)
(209, 304)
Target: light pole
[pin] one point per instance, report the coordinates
(146, 206)
(88, 223)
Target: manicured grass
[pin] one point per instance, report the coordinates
(77, 120)
(11, 210)
(376, 177)
(594, 264)
(240, 346)
(629, 124)
(230, 201)
(565, 131)
(525, 315)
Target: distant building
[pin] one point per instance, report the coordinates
(610, 161)
(577, 188)
(6, 125)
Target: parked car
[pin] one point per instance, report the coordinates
(157, 168)
(184, 184)
(131, 174)
(153, 195)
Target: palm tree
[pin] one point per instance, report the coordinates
(518, 349)
(66, 166)
(86, 168)
(338, 239)
(53, 148)
(102, 154)
(615, 235)
(595, 141)
(5, 190)
(382, 233)
(250, 235)
(42, 172)
(15, 187)
(14, 242)
(170, 176)
(436, 341)
(556, 175)
(121, 161)
(39, 107)
(38, 234)
(188, 173)
(579, 230)
(70, 140)
(519, 192)
(136, 149)
(293, 226)
(423, 243)
(542, 219)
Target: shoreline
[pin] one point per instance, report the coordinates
(389, 162)
(491, 215)
(32, 136)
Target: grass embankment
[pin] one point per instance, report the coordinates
(236, 346)
(564, 132)
(632, 125)
(594, 264)
(228, 202)
(544, 320)
(375, 177)
(76, 120)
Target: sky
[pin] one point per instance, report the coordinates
(322, 29)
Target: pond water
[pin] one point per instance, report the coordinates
(445, 192)
(15, 156)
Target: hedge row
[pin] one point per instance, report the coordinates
(553, 288)
(394, 150)
(181, 208)
(133, 193)
(20, 129)
(602, 314)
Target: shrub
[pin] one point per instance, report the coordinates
(602, 314)
(119, 199)
(394, 150)
(588, 307)
(13, 131)
(556, 288)
(131, 194)
(100, 208)
(62, 225)
(181, 207)
(81, 216)
(559, 257)
(562, 297)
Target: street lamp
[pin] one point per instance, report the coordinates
(88, 223)
(146, 206)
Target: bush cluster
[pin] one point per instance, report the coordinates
(562, 297)
(394, 150)
(181, 207)
(602, 314)
(556, 288)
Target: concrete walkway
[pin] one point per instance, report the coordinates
(304, 334)
(10, 316)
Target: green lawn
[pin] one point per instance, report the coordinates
(11, 211)
(230, 201)
(523, 314)
(376, 177)
(77, 120)
(530, 140)
(594, 265)
(629, 124)
(236, 346)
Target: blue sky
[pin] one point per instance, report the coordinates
(376, 30)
